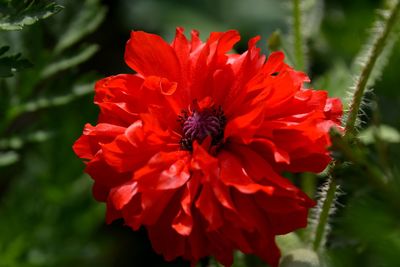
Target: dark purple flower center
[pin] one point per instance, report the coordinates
(197, 125)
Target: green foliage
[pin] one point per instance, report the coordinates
(11, 64)
(69, 61)
(78, 90)
(8, 158)
(50, 64)
(372, 60)
(87, 21)
(378, 171)
(382, 132)
(336, 81)
(16, 14)
(18, 142)
(40, 199)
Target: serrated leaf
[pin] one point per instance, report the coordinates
(69, 62)
(16, 14)
(11, 64)
(383, 132)
(86, 22)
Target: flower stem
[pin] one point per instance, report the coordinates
(324, 214)
(373, 54)
(362, 80)
(298, 41)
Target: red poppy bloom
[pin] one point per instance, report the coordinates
(193, 146)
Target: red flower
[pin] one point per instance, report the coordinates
(193, 146)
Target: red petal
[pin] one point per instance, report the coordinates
(111, 213)
(182, 48)
(123, 156)
(274, 63)
(286, 214)
(183, 222)
(263, 238)
(121, 195)
(150, 55)
(233, 174)
(164, 171)
(88, 144)
(133, 149)
(243, 127)
(334, 109)
(158, 83)
(100, 192)
(103, 173)
(120, 99)
(279, 154)
(209, 207)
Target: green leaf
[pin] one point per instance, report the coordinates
(87, 21)
(336, 80)
(11, 64)
(289, 242)
(8, 158)
(383, 132)
(16, 14)
(4, 49)
(68, 62)
(239, 259)
(313, 11)
(41, 103)
(17, 142)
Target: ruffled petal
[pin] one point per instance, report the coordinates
(165, 170)
(150, 55)
(120, 99)
(89, 143)
(233, 174)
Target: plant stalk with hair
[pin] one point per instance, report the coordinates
(383, 38)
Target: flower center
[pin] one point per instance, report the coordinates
(198, 124)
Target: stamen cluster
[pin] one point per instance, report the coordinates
(198, 124)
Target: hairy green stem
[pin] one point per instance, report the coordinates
(361, 84)
(298, 41)
(372, 57)
(324, 215)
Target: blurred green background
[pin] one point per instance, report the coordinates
(47, 214)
